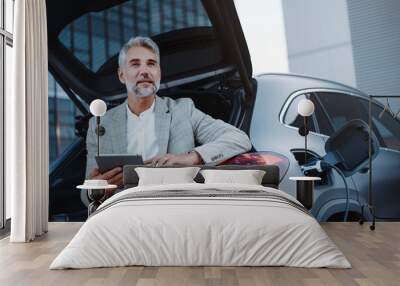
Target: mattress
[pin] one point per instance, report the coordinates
(201, 225)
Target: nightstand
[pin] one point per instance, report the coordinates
(305, 190)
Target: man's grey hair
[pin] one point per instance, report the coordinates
(137, 42)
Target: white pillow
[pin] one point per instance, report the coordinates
(162, 176)
(248, 177)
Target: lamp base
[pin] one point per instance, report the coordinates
(305, 192)
(96, 195)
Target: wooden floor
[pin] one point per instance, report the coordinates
(374, 255)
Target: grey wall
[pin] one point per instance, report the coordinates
(375, 32)
(351, 41)
(319, 40)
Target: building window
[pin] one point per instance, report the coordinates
(62, 114)
(97, 36)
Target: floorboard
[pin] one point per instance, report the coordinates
(374, 255)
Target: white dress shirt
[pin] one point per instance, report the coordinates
(141, 133)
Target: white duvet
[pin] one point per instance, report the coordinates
(226, 231)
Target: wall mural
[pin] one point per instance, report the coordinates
(83, 61)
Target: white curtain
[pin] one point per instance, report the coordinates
(27, 124)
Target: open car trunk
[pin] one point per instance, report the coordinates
(209, 63)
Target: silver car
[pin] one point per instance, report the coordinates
(274, 127)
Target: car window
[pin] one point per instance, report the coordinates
(293, 118)
(95, 37)
(342, 108)
(387, 125)
(323, 123)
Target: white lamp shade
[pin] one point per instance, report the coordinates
(305, 107)
(98, 107)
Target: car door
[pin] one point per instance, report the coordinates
(343, 107)
(386, 166)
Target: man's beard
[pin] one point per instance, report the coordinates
(143, 92)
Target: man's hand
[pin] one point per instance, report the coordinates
(113, 177)
(192, 158)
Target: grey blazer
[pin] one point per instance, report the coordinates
(180, 127)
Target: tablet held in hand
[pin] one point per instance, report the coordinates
(106, 162)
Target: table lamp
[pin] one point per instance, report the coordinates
(305, 108)
(98, 108)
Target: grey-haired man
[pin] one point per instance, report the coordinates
(162, 130)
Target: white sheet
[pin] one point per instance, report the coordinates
(200, 231)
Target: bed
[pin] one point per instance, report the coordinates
(198, 224)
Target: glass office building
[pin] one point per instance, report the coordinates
(95, 37)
